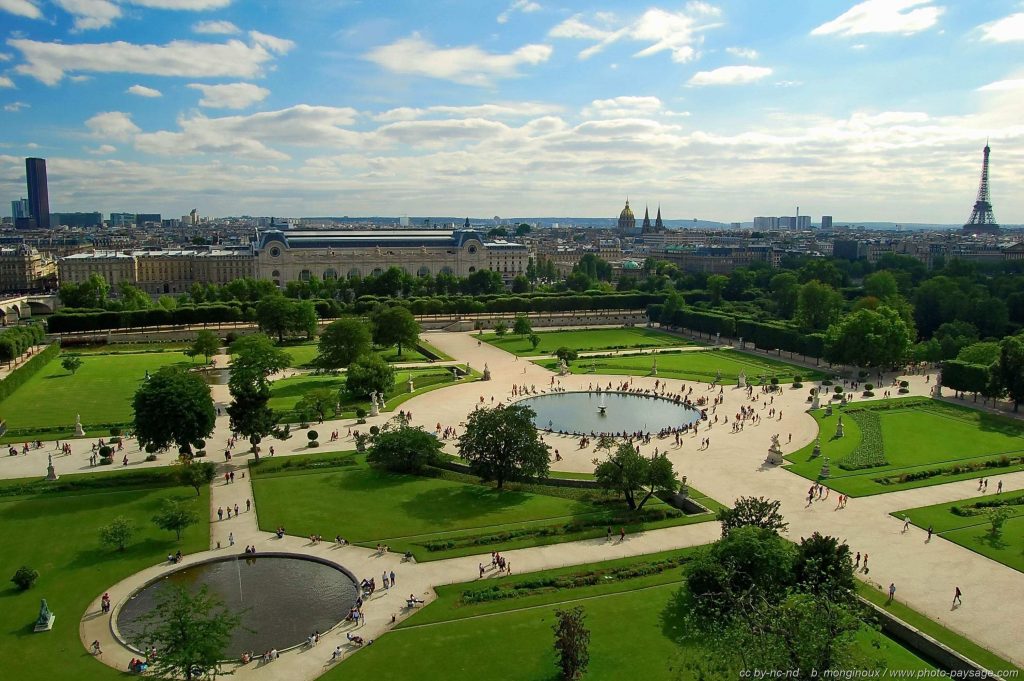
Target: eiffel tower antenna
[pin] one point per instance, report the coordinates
(982, 220)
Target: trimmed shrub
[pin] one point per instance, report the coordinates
(25, 577)
(106, 460)
(151, 457)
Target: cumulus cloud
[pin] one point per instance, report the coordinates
(21, 8)
(186, 5)
(102, 150)
(730, 75)
(510, 110)
(6, 82)
(884, 16)
(49, 62)
(524, 6)
(623, 107)
(143, 91)
(115, 125)
(90, 14)
(230, 95)
(216, 28)
(468, 65)
(678, 33)
(1006, 30)
(743, 52)
(1003, 85)
(15, 107)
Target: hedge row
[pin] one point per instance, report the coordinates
(19, 376)
(14, 341)
(77, 483)
(982, 507)
(521, 303)
(764, 335)
(956, 469)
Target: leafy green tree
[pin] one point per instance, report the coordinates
(881, 285)
(985, 352)
(402, 448)
(251, 416)
(191, 631)
(483, 282)
(534, 340)
(521, 327)
(206, 344)
(369, 373)
(818, 305)
(195, 474)
(394, 326)
(131, 297)
(952, 337)
(173, 407)
(579, 280)
(319, 401)
(274, 316)
(572, 642)
(784, 288)
(1011, 368)
(302, 319)
(175, 516)
(752, 512)
(71, 363)
(24, 577)
(997, 517)
(502, 444)
(117, 533)
(824, 271)
(824, 567)
(568, 354)
(522, 229)
(253, 359)
(716, 287)
(531, 269)
(90, 293)
(520, 284)
(873, 338)
(342, 341)
(627, 472)
(500, 329)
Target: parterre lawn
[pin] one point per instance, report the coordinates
(918, 434)
(286, 393)
(406, 512)
(101, 391)
(58, 536)
(304, 354)
(636, 633)
(701, 365)
(974, 532)
(585, 340)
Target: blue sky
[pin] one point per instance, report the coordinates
(875, 110)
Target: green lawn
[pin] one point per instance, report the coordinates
(635, 623)
(704, 365)
(101, 391)
(303, 354)
(917, 436)
(974, 531)
(423, 514)
(57, 534)
(287, 392)
(112, 348)
(586, 340)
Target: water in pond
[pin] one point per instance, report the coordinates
(281, 599)
(580, 412)
(215, 376)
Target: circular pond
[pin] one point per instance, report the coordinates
(582, 413)
(281, 599)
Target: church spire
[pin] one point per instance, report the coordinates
(647, 220)
(658, 224)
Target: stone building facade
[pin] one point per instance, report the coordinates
(24, 268)
(158, 271)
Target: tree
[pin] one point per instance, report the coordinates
(568, 354)
(985, 352)
(500, 329)
(631, 475)
(873, 338)
(117, 534)
(483, 282)
(502, 444)
(823, 567)
(402, 448)
(881, 285)
(369, 373)
(521, 327)
(318, 401)
(572, 642)
(784, 290)
(716, 286)
(90, 293)
(818, 305)
(132, 297)
(206, 344)
(520, 284)
(522, 228)
(190, 631)
(997, 517)
(953, 337)
(273, 314)
(752, 512)
(175, 516)
(195, 474)
(395, 326)
(173, 407)
(71, 363)
(24, 577)
(534, 340)
(254, 359)
(342, 341)
(1011, 368)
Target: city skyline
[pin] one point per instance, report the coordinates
(870, 111)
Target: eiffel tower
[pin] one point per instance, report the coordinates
(982, 220)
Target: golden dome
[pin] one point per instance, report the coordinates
(627, 213)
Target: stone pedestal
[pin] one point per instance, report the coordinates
(825, 471)
(79, 431)
(817, 448)
(741, 380)
(839, 428)
(487, 373)
(936, 391)
(828, 410)
(412, 386)
(50, 473)
(844, 402)
(45, 620)
(815, 400)
(774, 452)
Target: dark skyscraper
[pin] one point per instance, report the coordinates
(38, 196)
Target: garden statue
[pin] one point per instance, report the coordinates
(563, 368)
(487, 372)
(374, 411)
(50, 473)
(412, 386)
(825, 472)
(45, 620)
(654, 367)
(839, 427)
(741, 380)
(774, 452)
(79, 431)
(817, 448)
(815, 399)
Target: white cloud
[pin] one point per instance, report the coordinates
(272, 43)
(90, 14)
(230, 95)
(1003, 85)
(884, 16)
(743, 52)
(730, 75)
(22, 8)
(186, 5)
(50, 62)
(115, 125)
(495, 111)
(15, 107)
(102, 150)
(623, 107)
(6, 82)
(143, 91)
(216, 28)
(6, 57)
(467, 65)
(524, 6)
(678, 33)
(1005, 30)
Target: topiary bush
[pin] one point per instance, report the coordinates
(904, 384)
(312, 435)
(360, 413)
(25, 577)
(374, 430)
(838, 390)
(115, 431)
(106, 451)
(106, 460)
(151, 457)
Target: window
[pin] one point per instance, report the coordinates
(423, 271)
(330, 274)
(354, 272)
(275, 274)
(305, 275)
(472, 269)
(275, 252)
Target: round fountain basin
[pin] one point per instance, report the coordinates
(581, 413)
(281, 599)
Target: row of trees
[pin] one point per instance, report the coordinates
(989, 369)
(16, 340)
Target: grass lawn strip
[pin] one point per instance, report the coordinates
(303, 354)
(585, 340)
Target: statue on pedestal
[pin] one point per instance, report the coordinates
(825, 471)
(412, 386)
(817, 448)
(774, 452)
(487, 372)
(563, 368)
(684, 491)
(839, 427)
(741, 380)
(79, 431)
(815, 399)
(654, 367)
(828, 410)
(45, 620)
(374, 411)
(50, 473)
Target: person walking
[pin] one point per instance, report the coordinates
(906, 524)
(231, 538)
(622, 534)
(892, 591)
(956, 597)
(929, 535)
(393, 578)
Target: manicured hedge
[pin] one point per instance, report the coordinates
(19, 376)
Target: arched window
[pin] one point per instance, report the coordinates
(353, 273)
(423, 271)
(377, 271)
(275, 274)
(305, 275)
(330, 274)
(472, 269)
(446, 270)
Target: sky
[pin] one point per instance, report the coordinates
(869, 111)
